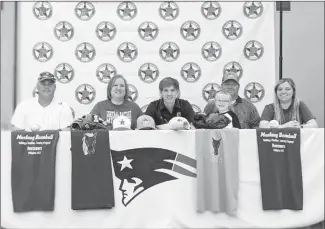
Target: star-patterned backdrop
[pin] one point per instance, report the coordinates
(86, 43)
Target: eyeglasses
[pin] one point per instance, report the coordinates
(222, 101)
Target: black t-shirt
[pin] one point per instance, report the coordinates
(161, 115)
(92, 179)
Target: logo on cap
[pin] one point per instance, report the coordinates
(230, 76)
(46, 76)
(146, 122)
(121, 123)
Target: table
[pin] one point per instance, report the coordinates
(172, 204)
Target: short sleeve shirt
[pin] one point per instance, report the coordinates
(108, 111)
(30, 113)
(304, 113)
(158, 111)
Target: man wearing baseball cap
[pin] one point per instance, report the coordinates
(43, 112)
(246, 112)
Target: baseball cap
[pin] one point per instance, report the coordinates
(146, 122)
(121, 123)
(46, 76)
(230, 76)
(179, 123)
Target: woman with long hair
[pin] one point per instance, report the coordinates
(117, 103)
(287, 110)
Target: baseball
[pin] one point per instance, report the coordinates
(274, 123)
(34, 127)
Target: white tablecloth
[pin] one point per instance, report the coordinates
(172, 204)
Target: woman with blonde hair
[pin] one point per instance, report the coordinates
(287, 110)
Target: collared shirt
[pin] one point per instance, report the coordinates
(246, 112)
(158, 111)
(30, 113)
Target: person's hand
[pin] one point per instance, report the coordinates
(294, 124)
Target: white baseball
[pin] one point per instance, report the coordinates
(35, 127)
(274, 123)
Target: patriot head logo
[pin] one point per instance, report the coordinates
(89, 143)
(142, 168)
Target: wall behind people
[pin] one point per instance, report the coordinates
(191, 58)
(303, 52)
(7, 61)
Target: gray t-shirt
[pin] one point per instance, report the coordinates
(304, 113)
(108, 111)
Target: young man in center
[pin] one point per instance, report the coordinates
(169, 106)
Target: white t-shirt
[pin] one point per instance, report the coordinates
(30, 113)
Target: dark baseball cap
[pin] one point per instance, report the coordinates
(46, 76)
(230, 76)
